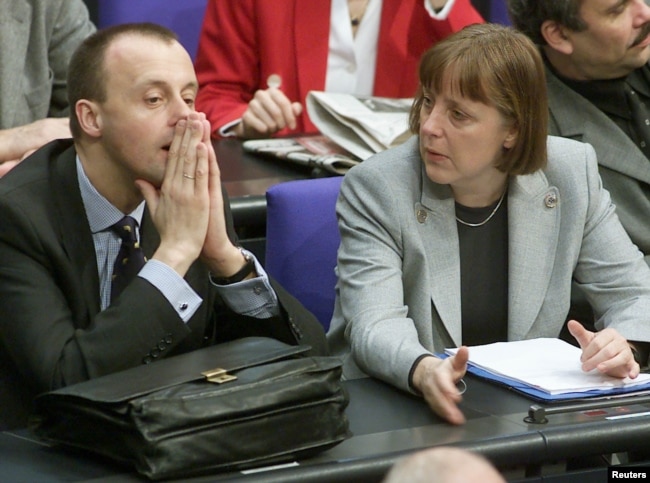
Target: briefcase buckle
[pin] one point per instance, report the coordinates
(218, 376)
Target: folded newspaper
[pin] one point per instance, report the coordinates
(352, 129)
(313, 151)
(362, 126)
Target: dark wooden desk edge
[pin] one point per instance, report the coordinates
(501, 451)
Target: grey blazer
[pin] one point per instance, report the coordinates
(624, 169)
(398, 293)
(37, 39)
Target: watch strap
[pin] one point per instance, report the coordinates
(245, 271)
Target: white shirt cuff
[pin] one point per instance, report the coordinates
(173, 287)
(253, 297)
(227, 131)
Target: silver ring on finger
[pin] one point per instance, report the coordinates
(185, 175)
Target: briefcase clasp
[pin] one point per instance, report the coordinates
(218, 376)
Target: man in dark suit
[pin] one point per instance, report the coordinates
(598, 78)
(136, 137)
(596, 52)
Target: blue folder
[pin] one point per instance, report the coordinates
(543, 396)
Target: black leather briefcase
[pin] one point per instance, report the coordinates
(246, 403)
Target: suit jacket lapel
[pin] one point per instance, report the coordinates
(77, 242)
(577, 118)
(437, 224)
(533, 227)
(149, 235)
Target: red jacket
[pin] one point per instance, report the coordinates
(245, 41)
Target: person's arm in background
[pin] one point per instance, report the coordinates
(18, 142)
(227, 86)
(70, 29)
(290, 44)
(234, 92)
(270, 110)
(66, 24)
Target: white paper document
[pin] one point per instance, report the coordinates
(550, 365)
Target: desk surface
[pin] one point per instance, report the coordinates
(386, 424)
(245, 174)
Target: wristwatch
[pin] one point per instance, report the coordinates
(245, 271)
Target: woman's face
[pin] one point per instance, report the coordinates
(461, 140)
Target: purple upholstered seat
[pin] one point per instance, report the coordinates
(302, 240)
(184, 17)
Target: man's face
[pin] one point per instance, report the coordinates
(616, 41)
(150, 86)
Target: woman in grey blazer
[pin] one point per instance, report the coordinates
(472, 232)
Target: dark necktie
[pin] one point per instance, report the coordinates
(640, 118)
(130, 258)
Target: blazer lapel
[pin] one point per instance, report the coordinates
(533, 224)
(392, 46)
(312, 21)
(436, 221)
(77, 242)
(577, 118)
(533, 227)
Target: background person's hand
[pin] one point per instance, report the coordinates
(6, 167)
(45, 130)
(19, 142)
(268, 112)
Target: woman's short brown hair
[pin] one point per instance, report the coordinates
(500, 67)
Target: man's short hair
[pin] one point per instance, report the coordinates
(500, 67)
(529, 15)
(86, 71)
(443, 465)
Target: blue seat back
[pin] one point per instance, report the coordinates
(302, 240)
(184, 17)
(499, 12)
